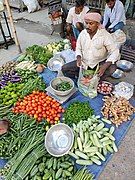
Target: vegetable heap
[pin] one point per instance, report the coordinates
(49, 167)
(92, 141)
(22, 126)
(8, 68)
(118, 110)
(39, 53)
(83, 174)
(40, 106)
(13, 78)
(63, 86)
(76, 112)
(10, 93)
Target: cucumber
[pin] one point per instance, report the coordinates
(82, 155)
(73, 155)
(79, 143)
(100, 156)
(84, 162)
(96, 161)
(91, 149)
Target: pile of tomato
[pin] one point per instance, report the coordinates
(40, 106)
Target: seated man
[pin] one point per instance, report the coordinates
(114, 16)
(75, 18)
(94, 46)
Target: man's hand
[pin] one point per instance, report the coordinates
(103, 68)
(110, 30)
(79, 61)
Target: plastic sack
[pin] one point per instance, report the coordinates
(1, 6)
(124, 89)
(32, 5)
(119, 37)
(87, 84)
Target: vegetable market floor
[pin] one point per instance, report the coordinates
(35, 28)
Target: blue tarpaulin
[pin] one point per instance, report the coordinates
(96, 104)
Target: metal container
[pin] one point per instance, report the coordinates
(57, 81)
(124, 65)
(55, 63)
(59, 140)
(117, 74)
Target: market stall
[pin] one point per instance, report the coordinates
(28, 109)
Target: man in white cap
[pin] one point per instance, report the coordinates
(94, 46)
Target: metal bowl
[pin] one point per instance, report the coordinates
(57, 81)
(55, 63)
(124, 65)
(59, 139)
(117, 74)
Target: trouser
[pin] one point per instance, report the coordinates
(119, 25)
(72, 71)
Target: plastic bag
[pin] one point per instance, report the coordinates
(119, 37)
(32, 5)
(1, 6)
(88, 82)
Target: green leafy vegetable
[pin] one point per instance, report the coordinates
(76, 112)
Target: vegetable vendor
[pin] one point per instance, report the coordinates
(114, 15)
(75, 18)
(94, 46)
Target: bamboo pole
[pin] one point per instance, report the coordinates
(12, 26)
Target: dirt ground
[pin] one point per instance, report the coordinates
(35, 28)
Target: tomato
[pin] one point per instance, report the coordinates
(63, 110)
(39, 119)
(56, 118)
(47, 119)
(33, 112)
(44, 115)
(35, 116)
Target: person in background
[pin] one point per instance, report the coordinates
(114, 15)
(75, 18)
(95, 46)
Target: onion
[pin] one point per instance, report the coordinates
(4, 126)
(40, 68)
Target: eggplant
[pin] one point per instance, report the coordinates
(14, 80)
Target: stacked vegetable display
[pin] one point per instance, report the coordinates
(92, 141)
(40, 106)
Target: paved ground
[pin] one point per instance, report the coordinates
(35, 29)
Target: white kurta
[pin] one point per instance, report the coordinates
(116, 15)
(97, 49)
(73, 18)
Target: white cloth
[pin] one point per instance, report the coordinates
(116, 15)
(97, 49)
(73, 18)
